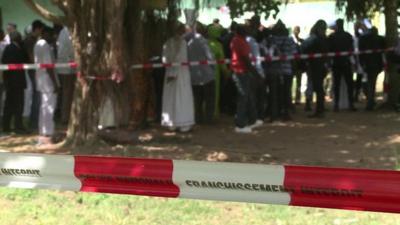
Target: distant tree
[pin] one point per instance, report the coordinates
(108, 37)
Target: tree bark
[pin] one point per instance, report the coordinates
(391, 23)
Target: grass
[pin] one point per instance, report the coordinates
(52, 207)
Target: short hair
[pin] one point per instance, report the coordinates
(37, 24)
(47, 30)
(12, 25)
(15, 36)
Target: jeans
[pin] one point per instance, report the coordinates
(204, 102)
(246, 113)
(35, 107)
(317, 79)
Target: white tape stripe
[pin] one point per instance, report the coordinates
(230, 182)
(38, 171)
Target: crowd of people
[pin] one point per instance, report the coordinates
(51, 90)
(254, 90)
(249, 88)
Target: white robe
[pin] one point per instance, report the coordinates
(177, 102)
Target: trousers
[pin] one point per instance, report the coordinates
(46, 115)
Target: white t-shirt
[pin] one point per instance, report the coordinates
(43, 55)
(65, 51)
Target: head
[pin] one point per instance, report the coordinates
(319, 28)
(48, 34)
(241, 30)
(37, 28)
(339, 25)
(180, 29)
(15, 37)
(216, 21)
(201, 29)
(296, 31)
(255, 22)
(11, 27)
(279, 29)
(374, 30)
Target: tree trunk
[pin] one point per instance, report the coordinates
(391, 23)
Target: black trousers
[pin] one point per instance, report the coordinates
(347, 74)
(260, 94)
(13, 109)
(317, 80)
(204, 102)
(371, 89)
(246, 111)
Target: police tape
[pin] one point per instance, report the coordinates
(337, 188)
(11, 67)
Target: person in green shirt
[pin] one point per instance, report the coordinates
(214, 32)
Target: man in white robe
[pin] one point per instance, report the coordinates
(177, 106)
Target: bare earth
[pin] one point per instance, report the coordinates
(345, 139)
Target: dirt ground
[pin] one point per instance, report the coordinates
(345, 139)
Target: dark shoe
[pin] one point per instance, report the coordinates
(336, 108)
(286, 118)
(317, 116)
(353, 109)
(308, 108)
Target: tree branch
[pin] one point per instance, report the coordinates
(36, 7)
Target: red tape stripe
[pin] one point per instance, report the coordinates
(343, 188)
(126, 176)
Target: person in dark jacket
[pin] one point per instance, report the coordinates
(372, 64)
(341, 41)
(15, 84)
(317, 68)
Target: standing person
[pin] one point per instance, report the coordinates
(372, 64)
(317, 68)
(177, 105)
(260, 88)
(65, 54)
(47, 84)
(3, 45)
(221, 70)
(280, 73)
(15, 84)
(228, 89)
(342, 41)
(11, 27)
(29, 44)
(298, 65)
(246, 114)
(202, 76)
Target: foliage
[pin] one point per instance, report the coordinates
(356, 9)
(269, 7)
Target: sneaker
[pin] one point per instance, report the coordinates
(244, 130)
(257, 124)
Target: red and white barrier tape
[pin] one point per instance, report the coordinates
(338, 188)
(7, 67)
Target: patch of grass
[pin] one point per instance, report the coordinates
(53, 207)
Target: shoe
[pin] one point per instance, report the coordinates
(244, 130)
(336, 108)
(286, 118)
(316, 116)
(307, 108)
(352, 109)
(257, 124)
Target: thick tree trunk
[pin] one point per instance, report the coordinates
(391, 23)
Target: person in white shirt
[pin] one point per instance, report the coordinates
(47, 84)
(65, 54)
(11, 27)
